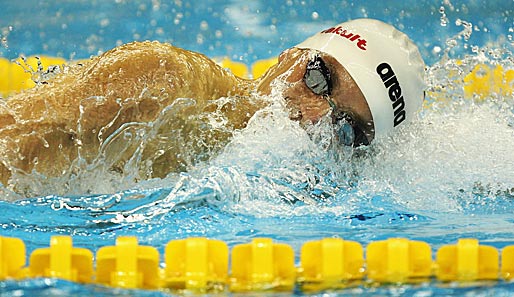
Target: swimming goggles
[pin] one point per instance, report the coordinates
(317, 79)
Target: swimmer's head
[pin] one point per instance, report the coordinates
(383, 62)
(367, 73)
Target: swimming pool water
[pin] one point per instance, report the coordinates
(242, 30)
(450, 177)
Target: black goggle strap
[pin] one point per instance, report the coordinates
(317, 76)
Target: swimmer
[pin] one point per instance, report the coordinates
(364, 74)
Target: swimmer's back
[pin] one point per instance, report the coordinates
(44, 128)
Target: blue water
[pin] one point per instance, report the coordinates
(242, 30)
(451, 178)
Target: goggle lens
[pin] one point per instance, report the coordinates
(317, 77)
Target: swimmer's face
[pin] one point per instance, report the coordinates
(308, 103)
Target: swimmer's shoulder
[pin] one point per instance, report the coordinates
(151, 48)
(145, 56)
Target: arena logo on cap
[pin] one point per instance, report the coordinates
(360, 42)
(395, 91)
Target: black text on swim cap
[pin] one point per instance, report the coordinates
(361, 42)
(395, 91)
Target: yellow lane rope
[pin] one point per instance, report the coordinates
(201, 264)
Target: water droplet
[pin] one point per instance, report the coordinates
(104, 23)
(444, 20)
(204, 26)
(57, 205)
(199, 39)
(4, 42)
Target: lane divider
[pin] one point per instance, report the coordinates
(17, 75)
(202, 265)
(485, 80)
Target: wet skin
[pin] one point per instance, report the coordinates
(307, 107)
(46, 128)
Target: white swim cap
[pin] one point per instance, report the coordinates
(385, 64)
